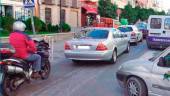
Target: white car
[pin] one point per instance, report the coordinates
(103, 44)
(132, 32)
(146, 77)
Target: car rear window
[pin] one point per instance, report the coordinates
(125, 29)
(156, 23)
(141, 26)
(98, 34)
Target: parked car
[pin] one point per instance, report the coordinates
(146, 77)
(103, 44)
(142, 26)
(132, 32)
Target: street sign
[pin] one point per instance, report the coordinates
(28, 3)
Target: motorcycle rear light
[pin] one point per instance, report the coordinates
(67, 46)
(101, 47)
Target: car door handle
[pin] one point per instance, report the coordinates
(164, 32)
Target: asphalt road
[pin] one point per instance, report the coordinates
(85, 79)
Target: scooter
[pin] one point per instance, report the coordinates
(14, 71)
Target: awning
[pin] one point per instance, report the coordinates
(90, 9)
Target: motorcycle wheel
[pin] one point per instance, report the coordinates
(46, 70)
(8, 87)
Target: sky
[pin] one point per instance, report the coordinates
(165, 4)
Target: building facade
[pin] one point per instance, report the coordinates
(70, 12)
(15, 9)
(142, 3)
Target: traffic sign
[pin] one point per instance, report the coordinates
(29, 3)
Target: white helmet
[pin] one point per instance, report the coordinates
(19, 26)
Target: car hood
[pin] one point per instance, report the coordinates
(137, 65)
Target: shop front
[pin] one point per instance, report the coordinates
(88, 12)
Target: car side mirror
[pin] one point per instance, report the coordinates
(161, 62)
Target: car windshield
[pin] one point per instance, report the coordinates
(158, 54)
(98, 34)
(125, 29)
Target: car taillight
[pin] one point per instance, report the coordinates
(67, 46)
(133, 34)
(1, 63)
(101, 47)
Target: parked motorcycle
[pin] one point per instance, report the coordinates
(14, 71)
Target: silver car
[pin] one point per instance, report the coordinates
(146, 77)
(103, 44)
(133, 33)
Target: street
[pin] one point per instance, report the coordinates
(84, 79)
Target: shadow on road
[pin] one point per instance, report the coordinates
(91, 64)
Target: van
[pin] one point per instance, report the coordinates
(159, 31)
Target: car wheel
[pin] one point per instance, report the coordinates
(135, 87)
(149, 46)
(114, 57)
(76, 61)
(141, 40)
(128, 48)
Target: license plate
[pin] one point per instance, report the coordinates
(83, 47)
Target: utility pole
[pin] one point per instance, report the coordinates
(60, 17)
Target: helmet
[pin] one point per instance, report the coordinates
(19, 26)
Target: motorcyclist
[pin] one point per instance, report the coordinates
(25, 47)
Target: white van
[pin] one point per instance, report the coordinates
(159, 31)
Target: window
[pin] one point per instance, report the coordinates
(167, 23)
(63, 3)
(125, 29)
(48, 15)
(74, 3)
(63, 15)
(141, 26)
(156, 23)
(98, 34)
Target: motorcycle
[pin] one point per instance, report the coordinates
(14, 71)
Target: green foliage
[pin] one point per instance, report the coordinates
(137, 13)
(107, 9)
(129, 13)
(52, 28)
(7, 23)
(39, 24)
(65, 27)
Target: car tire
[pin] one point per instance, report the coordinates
(114, 57)
(149, 46)
(135, 87)
(76, 61)
(128, 48)
(141, 40)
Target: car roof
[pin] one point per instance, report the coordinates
(127, 26)
(101, 28)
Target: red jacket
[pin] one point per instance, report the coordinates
(22, 44)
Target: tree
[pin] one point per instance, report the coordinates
(129, 13)
(107, 9)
